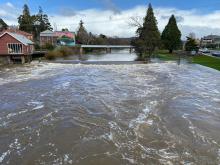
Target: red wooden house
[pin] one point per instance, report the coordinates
(15, 47)
(17, 31)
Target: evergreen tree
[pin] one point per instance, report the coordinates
(191, 44)
(43, 20)
(3, 25)
(82, 37)
(149, 35)
(65, 30)
(171, 36)
(26, 20)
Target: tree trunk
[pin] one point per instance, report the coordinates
(171, 51)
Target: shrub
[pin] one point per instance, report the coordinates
(59, 52)
(51, 55)
(48, 46)
(37, 46)
(65, 51)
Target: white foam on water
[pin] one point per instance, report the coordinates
(3, 156)
(15, 145)
(216, 99)
(10, 115)
(38, 132)
(63, 85)
(4, 124)
(66, 159)
(166, 162)
(130, 160)
(66, 84)
(141, 118)
(197, 134)
(149, 122)
(51, 144)
(32, 71)
(37, 105)
(164, 153)
(218, 155)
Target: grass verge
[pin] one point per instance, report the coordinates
(165, 55)
(208, 61)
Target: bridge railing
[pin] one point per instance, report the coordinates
(107, 46)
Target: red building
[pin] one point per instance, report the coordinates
(57, 38)
(15, 47)
(17, 31)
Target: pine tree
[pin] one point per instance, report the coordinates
(171, 36)
(25, 20)
(82, 35)
(3, 25)
(149, 35)
(42, 18)
(191, 44)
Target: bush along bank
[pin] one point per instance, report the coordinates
(62, 51)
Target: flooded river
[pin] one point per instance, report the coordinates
(160, 113)
(116, 55)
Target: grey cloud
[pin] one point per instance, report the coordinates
(198, 30)
(178, 18)
(165, 17)
(64, 11)
(69, 12)
(110, 5)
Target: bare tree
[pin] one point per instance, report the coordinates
(136, 21)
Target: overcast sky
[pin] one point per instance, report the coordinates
(112, 17)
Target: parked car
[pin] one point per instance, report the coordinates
(217, 54)
(205, 50)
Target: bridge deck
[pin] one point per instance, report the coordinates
(107, 46)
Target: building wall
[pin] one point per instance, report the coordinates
(4, 40)
(48, 39)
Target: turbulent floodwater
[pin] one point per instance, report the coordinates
(116, 55)
(112, 114)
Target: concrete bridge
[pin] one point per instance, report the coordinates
(107, 47)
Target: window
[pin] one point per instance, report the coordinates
(15, 48)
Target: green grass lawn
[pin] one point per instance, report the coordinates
(208, 61)
(165, 55)
(211, 62)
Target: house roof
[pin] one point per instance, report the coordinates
(47, 33)
(17, 31)
(19, 37)
(65, 33)
(211, 37)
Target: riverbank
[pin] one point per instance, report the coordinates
(208, 61)
(61, 52)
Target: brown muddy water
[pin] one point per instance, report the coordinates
(60, 114)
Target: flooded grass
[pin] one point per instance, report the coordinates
(209, 61)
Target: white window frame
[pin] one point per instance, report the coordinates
(15, 46)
